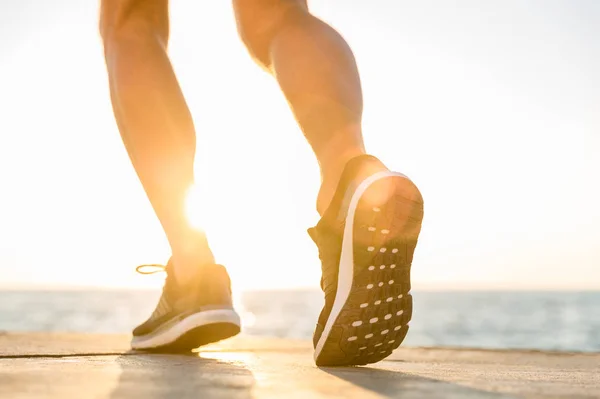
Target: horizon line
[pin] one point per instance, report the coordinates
(416, 287)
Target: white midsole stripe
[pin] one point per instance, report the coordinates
(346, 270)
(171, 334)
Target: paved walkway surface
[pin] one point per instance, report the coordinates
(101, 366)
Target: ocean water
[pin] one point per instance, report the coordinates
(567, 321)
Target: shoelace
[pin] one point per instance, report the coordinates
(154, 268)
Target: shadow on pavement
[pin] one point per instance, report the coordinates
(399, 385)
(154, 376)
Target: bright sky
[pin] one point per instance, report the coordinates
(491, 107)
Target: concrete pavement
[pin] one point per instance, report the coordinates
(101, 366)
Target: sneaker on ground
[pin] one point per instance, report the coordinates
(366, 241)
(190, 316)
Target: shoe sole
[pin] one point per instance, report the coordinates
(198, 329)
(373, 304)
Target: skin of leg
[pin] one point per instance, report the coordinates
(317, 73)
(153, 119)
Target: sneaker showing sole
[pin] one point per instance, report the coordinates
(373, 305)
(182, 334)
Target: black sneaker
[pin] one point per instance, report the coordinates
(188, 317)
(366, 241)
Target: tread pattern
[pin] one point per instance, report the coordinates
(374, 320)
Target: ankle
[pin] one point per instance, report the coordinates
(331, 179)
(189, 257)
(186, 269)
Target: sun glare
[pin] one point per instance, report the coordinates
(195, 208)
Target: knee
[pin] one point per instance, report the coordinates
(259, 21)
(133, 20)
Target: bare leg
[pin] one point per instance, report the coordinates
(316, 71)
(153, 118)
